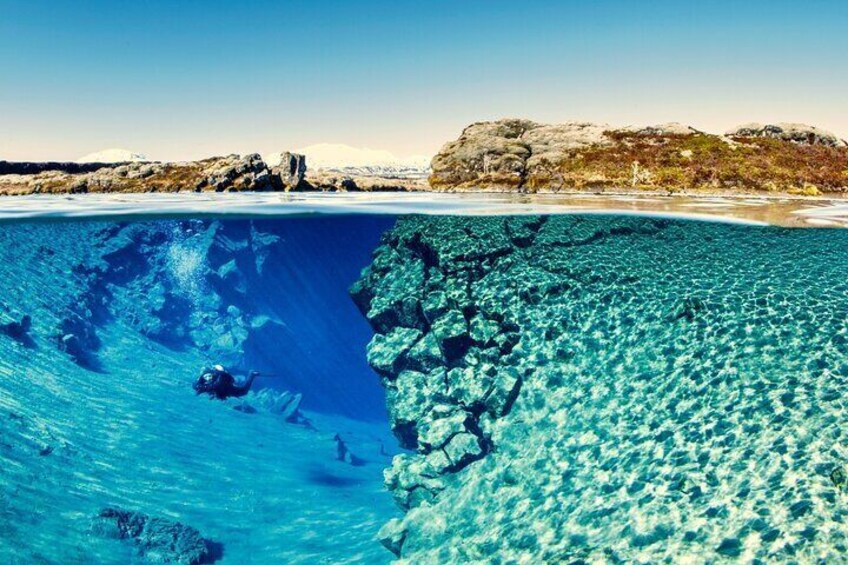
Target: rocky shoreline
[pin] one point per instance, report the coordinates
(527, 157)
(506, 156)
(217, 174)
(231, 173)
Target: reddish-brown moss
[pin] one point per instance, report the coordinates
(703, 161)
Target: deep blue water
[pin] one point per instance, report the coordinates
(320, 350)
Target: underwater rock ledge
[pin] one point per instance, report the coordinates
(594, 389)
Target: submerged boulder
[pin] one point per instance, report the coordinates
(282, 403)
(156, 540)
(78, 338)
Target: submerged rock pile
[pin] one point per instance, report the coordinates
(609, 390)
(284, 404)
(445, 354)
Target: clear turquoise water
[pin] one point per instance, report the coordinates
(683, 400)
(700, 397)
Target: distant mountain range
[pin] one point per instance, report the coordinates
(114, 155)
(335, 155)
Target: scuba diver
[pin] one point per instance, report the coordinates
(218, 383)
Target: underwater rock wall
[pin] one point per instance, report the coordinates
(597, 389)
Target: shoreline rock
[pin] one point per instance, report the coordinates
(231, 173)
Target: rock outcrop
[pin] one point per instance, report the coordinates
(523, 156)
(290, 170)
(609, 390)
(232, 173)
(505, 152)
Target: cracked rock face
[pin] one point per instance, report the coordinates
(611, 390)
(439, 345)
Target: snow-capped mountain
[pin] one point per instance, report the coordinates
(114, 155)
(360, 161)
(335, 155)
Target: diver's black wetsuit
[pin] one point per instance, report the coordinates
(218, 383)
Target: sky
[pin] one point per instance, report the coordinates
(190, 79)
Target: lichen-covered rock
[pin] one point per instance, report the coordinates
(501, 153)
(235, 172)
(290, 171)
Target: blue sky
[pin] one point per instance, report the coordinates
(189, 79)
